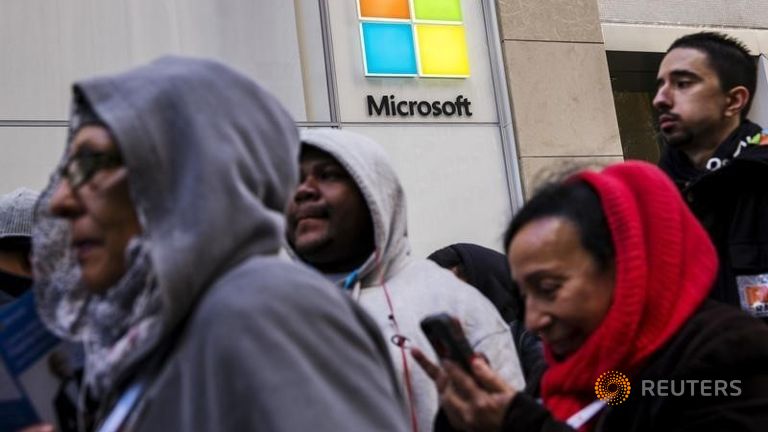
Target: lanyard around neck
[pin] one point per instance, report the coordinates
(118, 417)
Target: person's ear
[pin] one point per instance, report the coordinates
(736, 100)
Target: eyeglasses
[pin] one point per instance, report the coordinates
(83, 165)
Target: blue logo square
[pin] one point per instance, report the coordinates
(388, 49)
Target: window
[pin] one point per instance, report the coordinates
(633, 79)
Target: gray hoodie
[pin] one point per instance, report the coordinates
(413, 287)
(258, 343)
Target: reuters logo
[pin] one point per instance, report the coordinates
(612, 387)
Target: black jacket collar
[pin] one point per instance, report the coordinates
(682, 171)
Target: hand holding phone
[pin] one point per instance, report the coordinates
(447, 338)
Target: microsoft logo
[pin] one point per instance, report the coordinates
(422, 38)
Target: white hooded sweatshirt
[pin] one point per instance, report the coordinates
(399, 290)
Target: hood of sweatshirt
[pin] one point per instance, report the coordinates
(372, 171)
(211, 162)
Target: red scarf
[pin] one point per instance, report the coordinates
(665, 267)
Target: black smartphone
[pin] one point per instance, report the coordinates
(447, 338)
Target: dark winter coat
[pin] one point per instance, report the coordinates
(717, 343)
(731, 201)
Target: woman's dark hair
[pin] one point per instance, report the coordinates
(578, 203)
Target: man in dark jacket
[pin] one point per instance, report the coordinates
(718, 158)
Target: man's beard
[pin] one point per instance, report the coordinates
(313, 251)
(679, 139)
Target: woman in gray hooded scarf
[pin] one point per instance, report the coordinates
(156, 246)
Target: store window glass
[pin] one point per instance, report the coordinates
(633, 80)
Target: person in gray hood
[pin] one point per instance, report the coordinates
(348, 219)
(15, 243)
(156, 245)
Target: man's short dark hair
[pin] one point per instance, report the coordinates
(728, 56)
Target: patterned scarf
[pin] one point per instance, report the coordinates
(119, 327)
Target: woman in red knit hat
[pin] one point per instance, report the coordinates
(616, 272)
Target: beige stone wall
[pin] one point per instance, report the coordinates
(559, 87)
(716, 13)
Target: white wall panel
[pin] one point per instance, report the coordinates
(759, 111)
(29, 155)
(45, 45)
(309, 31)
(725, 13)
(454, 182)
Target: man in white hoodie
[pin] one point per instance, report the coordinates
(347, 219)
